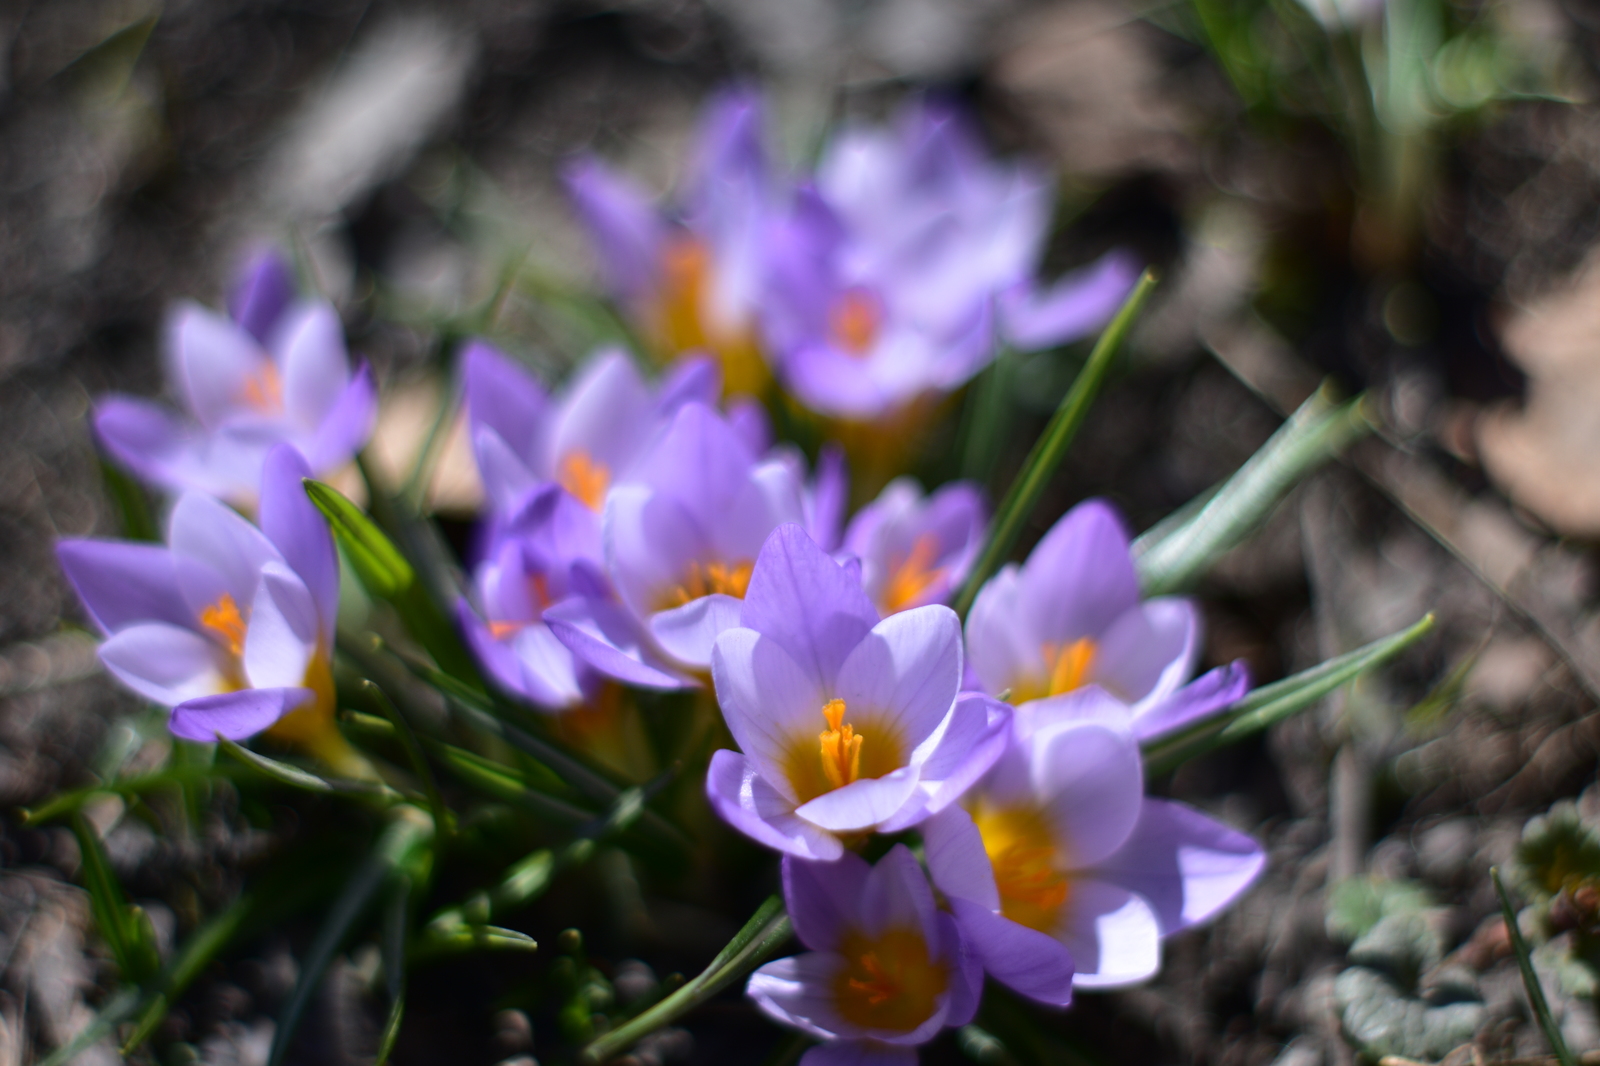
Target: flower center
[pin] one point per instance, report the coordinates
(584, 477)
(841, 746)
(223, 619)
(1067, 668)
(889, 982)
(1027, 862)
(538, 595)
(684, 320)
(263, 389)
(711, 578)
(911, 575)
(853, 320)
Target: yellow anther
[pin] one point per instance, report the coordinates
(890, 981)
(585, 477)
(853, 321)
(223, 619)
(1027, 861)
(263, 389)
(841, 746)
(709, 578)
(912, 574)
(1069, 666)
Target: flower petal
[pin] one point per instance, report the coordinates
(146, 440)
(1149, 652)
(261, 292)
(1073, 307)
(907, 670)
(747, 802)
(830, 495)
(606, 637)
(347, 424)
(798, 992)
(966, 977)
(1090, 776)
(972, 741)
(1080, 577)
(805, 601)
(862, 804)
(822, 898)
(622, 222)
(282, 633)
(234, 715)
(122, 583)
(299, 532)
(213, 534)
(1000, 642)
(504, 397)
(309, 347)
(212, 358)
(957, 862)
(688, 632)
(1186, 866)
(767, 701)
(163, 662)
(858, 1053)
(606, 414)
(1029, 962)
(1209, 694)
(1113, 935)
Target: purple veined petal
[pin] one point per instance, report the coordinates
(648, 540)
(1186, 866)
(800, 598)
(699, 461)
(144, 439)
(234, 715)
(822, 898)
(746, 801)
(906, 670)
(495, 657)
(549, 669)
(687, 633)
(504, 397)
(1113, 935)
(1210, 694)
(837, 383)
(969, 348)
(1149, 652)
(748, 420)
(213, 359)
(607, 638)
(506, 478)
(1080, 577)
(957, 862)
(728, 151)
(966, 974)
(1028, 962)
(858, 1053)
(622, 222)
(122, 583)
(972, 742)
(1089, 775)
(773, 496)
(767, 700)
(209, 532)
(261, 292)
(862, 804)
(308, 345)
(692, 379)
(1072, 307)
(282, 633)
(798, 992)
(164, 663)
(299, 532)
(606, 415)
(830, 495)
(896, 895)
(1001, 648)
(347, 425)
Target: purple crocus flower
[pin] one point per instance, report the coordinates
(585, 439)
(846, 724)
(680, 537)
(894, 276)
(275, 372)
(692, 278)
(230, 625)
(886, 969)
(917, 549)
(1058, 847)
(1071, 616)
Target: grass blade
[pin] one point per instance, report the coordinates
(1530, 979)
(113, 1014)
(295, 777)
(1173, 554)
(133, 504)
(394, 964)
(764, 933)
(126, 929)
(195, 954)
(1048, 451)
(443, 820)
(70, 802)
(1271, 704)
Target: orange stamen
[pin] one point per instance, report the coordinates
(585, 478)
(539, 594)
(263, 389)
(1027, 864)
(890, 981)
(841, 746)
(223, 619)
(709, 578)
(1069, 666)
(854, 319)
(912, 574)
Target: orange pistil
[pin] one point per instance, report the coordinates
(708, 579)
(889, 982)
(841, 746)
(1067, 670)
(223, 619)
(853, 321)
(912, 574)
(1027, 864)
(584, 477)
(263, 389)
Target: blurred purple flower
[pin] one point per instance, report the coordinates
(917, 549)
(680, 537)
(276, 372)
(886, 970)
(896, 274)
(845, 724)
(1058, 841)
(229, 625)
(692, 278)
(1071, 616)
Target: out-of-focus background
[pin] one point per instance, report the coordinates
(1435, 250)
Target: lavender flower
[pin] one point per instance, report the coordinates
(886, 970)
(917, 549)
(1058, 839)
(1071, 616)
(845, 724)
(894, 275)
(275, 372)
(680, 539)
(230, 625)
(692, 279)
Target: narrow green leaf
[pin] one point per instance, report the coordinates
(985, 427)
(458, 940)
(443, 820)
(193, 956)
(408, 831)
(1173, 555)
(114, 1013)
(1530, 979)
(70, 802)
(504, 783)
(395, 920)
(763, 934)
(278, 771)
(1020, 500)
(378, 563)
(133, 505)
(118, 923)
(983, 1047)
(1271, 704)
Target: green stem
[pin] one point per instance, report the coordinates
(1530, 979)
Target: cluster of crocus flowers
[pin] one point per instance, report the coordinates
(273, 370)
